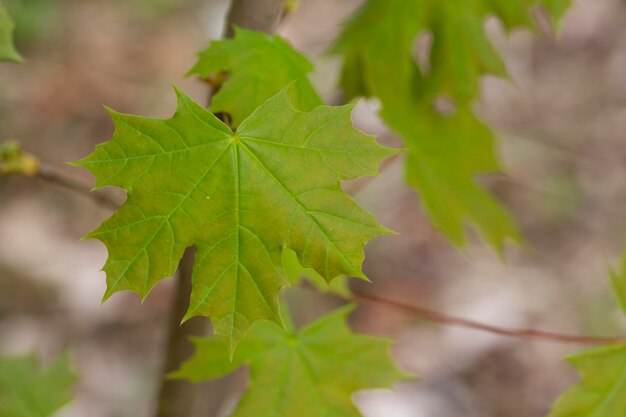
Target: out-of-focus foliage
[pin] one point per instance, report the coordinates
(602, 389)
(448, 149)
(26, 390)
(308, 374)
(258, 67)
(240, 198)
(7, 49)
(36, 20)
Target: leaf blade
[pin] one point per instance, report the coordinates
(239, 198)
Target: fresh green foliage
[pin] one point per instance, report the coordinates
(602, 389)
(240, 198)
(26, 390)
(7, 50)
(307, 374)
(447, 151)
(258, 66)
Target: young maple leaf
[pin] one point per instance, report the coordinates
(309, 374)
(26, 390)
(7, 50)
(258, 67)
(240, 198)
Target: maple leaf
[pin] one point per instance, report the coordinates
(258, 66)
(448, 151)
(240, 198)
(7, 50)
(28, 391)
(602, 389)
(443, 167)
(307, 374)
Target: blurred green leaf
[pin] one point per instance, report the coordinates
(601, 391)
(7, 49)
(36, 20)
(450, 147)
(27, 390)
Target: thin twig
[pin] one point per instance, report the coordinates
(53, 175)
(523, 333)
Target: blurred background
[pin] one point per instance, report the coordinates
(561, 122)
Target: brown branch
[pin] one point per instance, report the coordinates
(53, 175)
(259, 15)
(523, 333)
(180, 397)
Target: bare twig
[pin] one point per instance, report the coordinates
(447, 319)
(259, 15)
(53, 175)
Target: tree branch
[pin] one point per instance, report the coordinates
(259, 15)
(52, 175)
(447, 319)
(179, 398)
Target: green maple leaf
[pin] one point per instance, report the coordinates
(443, 169)
(240, 198)
(602, 389)
(258, 67)
(447, 152)
(309, 374)
(28, 391)
(7, 50)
